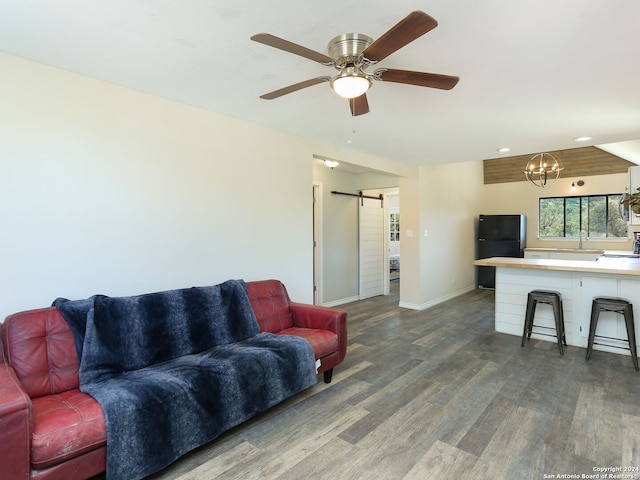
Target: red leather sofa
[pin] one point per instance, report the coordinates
(49, 429)
(324, 328)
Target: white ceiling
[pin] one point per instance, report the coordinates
(535, 74)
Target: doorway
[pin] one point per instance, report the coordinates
(336, 235)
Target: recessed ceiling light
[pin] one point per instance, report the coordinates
(582, 139)
(504, 149)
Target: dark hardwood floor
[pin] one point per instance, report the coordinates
(437, 394)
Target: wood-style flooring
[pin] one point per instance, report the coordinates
(437, 394)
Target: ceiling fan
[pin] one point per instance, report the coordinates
(352, 53)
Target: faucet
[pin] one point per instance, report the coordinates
(583, 237)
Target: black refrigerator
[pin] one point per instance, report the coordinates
(498, 236)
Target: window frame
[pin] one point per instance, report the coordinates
(394, 225)
(581, 200)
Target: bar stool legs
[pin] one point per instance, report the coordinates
(617, 305)
(555, 300)
(593, 323)
(528, 319)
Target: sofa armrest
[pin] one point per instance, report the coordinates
(322, 318)
(15, 425)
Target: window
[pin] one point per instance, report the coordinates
(596, 215)
(394, 227)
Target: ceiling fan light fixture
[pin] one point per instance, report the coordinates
(350, 83)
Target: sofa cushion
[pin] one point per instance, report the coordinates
(270, 302)
(323, 342)
(65, 425)
(39, 346)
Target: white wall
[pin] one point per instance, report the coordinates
(444, 201)
(108, 190)
(339, 235)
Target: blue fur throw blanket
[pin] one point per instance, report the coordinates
(173, 370)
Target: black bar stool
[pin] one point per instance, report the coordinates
(617, 305)
(555, 300)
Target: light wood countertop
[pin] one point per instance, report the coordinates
(563, 250)
(622, 266)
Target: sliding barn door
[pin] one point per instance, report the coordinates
(371, 221)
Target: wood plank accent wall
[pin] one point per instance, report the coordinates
(578, 162)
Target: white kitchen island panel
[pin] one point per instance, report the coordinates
(578, 282)
(511, 301)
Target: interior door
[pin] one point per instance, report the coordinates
(371, 239)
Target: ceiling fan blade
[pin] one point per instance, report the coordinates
(294, 88)
(359, 105)
(291, 47)
(421, 79)
(405, 31)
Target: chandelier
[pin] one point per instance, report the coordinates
(543, 169)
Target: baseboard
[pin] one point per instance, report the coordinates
(424, 306)
(342, 301)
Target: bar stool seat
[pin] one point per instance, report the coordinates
(617, 305)
(555, 300)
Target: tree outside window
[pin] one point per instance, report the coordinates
(596, 215)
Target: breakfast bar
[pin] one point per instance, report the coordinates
(578, 281)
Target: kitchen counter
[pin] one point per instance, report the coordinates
(573, 253)
(578, 281)
(608, 265)
(561, 250)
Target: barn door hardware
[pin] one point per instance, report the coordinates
(361, 196)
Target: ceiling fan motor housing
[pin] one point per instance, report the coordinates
(346, 48)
